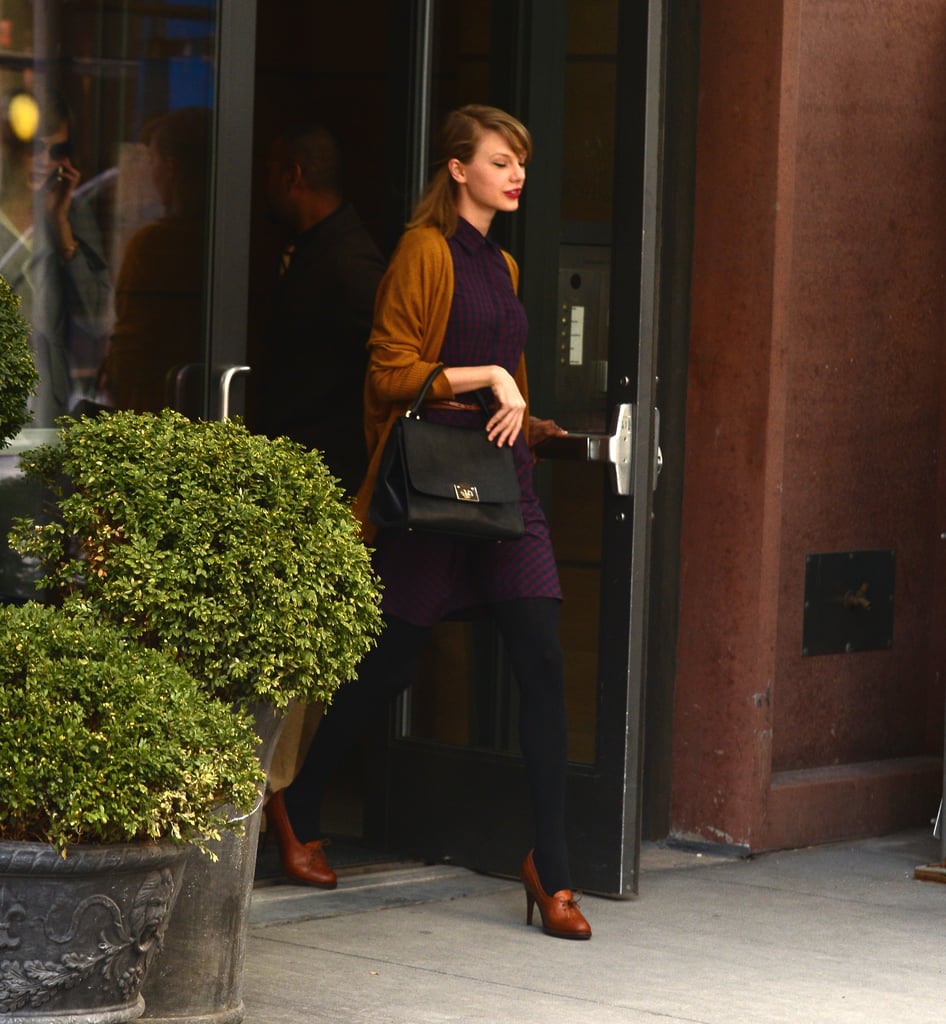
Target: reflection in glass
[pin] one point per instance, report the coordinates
(103, 206)
(51, 249)
(96, 146)
(155, 347)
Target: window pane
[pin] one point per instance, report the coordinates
(103, 196)
(465, 694)
(105, 114)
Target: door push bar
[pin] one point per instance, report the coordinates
(178, 378)
(227, 374)
(614, 449)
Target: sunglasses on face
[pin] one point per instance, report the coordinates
(55, 150)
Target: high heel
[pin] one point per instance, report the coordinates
(560, 914)
(304, 862)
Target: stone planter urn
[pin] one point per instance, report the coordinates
(79, 933)
(199, 979)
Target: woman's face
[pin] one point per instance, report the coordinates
(49, 152)
(491, 182)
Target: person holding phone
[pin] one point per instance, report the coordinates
(50, 245)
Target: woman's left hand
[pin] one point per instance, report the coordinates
(542, 430)
(504, 425)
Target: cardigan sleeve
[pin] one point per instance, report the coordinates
(410, 319)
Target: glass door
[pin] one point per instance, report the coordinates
(587, 79)
(123, 175)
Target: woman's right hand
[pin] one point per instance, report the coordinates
(60, 186)
(505, 422)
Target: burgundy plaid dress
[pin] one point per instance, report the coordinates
(427, 577)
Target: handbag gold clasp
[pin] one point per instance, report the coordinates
(466, 492)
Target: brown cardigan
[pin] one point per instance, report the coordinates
(410, 320)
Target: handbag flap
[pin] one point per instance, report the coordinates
(454, 462)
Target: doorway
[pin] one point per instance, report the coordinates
(588, 80)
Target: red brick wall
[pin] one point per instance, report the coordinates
(814, 415)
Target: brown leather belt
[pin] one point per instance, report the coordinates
(446, 403)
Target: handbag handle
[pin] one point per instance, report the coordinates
(414, 411)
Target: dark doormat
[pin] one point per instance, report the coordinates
(347, 855)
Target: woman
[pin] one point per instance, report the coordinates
(51, 251)
(449, 297)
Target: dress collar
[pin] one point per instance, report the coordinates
(471, 239)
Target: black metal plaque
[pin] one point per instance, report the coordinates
(848, 602)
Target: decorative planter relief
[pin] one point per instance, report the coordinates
(78, 934)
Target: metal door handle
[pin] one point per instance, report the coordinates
(175, 384)
(227, 373)
(179, 376)
(615, 449)
(658, 454)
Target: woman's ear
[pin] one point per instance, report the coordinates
(456, 170)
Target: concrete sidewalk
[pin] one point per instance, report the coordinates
(834, 934)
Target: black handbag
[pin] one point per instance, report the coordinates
(444, 479)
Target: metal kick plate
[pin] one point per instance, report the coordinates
(848, 602)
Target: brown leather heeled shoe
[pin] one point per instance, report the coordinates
(560, 914)
(304, 862)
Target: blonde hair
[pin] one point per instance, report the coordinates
(462, 132)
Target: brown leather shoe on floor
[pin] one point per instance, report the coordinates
(303, 862)
(560, 914)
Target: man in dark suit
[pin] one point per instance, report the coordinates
(313, 358)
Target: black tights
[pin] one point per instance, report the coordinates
(529, 627)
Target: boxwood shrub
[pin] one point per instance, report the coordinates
(237, 553)
(102, 740)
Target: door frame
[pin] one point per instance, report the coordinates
(676, 258)
(636, 251)
(228, 249)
